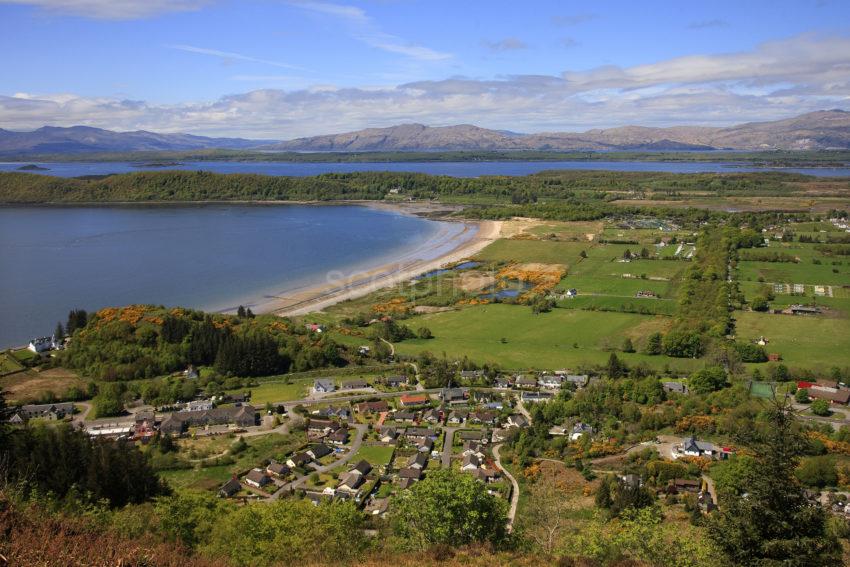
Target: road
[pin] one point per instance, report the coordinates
(446, 460)
(355, 447)
(514, 491)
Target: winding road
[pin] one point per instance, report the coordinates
(514, 491)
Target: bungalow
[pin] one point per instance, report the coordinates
(425, 446)
(278, 469)
(412, 400)
(298, 460)
(677, 485)
(395, 381)
(485, 417)
(363, 468)
(432, 416)
(497, 405)
(534, 397)
(405, 416)
(338, 437)
(454, 395)
(471, 374)
(339, 412)
(46, 411)
(801, 310)
(558, 431)
(355, 384)
(525, 382)
(577, 380)
(457, 417)
(199, 405)
(229, 488)
(257, 478)
(418, 461)
(473, 448)
(550, 381)
(692, 448)
(323, 386)
(675, 388)
(480, 436)
(486, 476)
(503, 382)
(319, 427)
(372, 407)
(835, 396)
(413, 474)
(177, 422)
(350, 482)
(470, 463)
(418, 433)
(364, 350)
(318, 451)
(388, 434)
(580, 429)
(517, 420)
(42, 344)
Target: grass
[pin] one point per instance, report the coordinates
(547, 252)
(27, 386)
(9, 364)
(536, 341)
(277, 391)
(375, 455)
(802, 341)
(23, 354)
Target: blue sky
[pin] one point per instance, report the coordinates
(282, 69)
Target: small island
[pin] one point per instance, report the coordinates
(33, 167)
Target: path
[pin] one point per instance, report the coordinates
(514, 490)
(355, 447)
(446, 459)
(81, 417)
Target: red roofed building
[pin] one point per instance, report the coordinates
(413, 400)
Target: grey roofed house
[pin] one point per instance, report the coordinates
(50, 411)
(453, 395)
(470, 462)
(472, 447)
(579, 380)
(525, 382)
(551, 380)
(340, 412)
(178, 422)
(517, 420)
(472, 435)
(675, 387)
(395, 380)
(338, 437)
(418, 461)
(322, 425)
(432, 415)
(257, 478)
(691, 446)
(458, 416)
(426, 445)
(388, 432)
(419, 432)
(580, 429)
(299, 459)
(487, 416)
(354, 384)
(324, 385)
(486, 475)
(504, 382)
(470, 374)
(408, 472)
(350, 481)
(536, 396)
(278, 469)
(319, 451)
(363, 467)
(404, 416)
(230, 488)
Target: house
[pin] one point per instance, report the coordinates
(517, 420)
(470, 463)
(525, 382)
(797, 309)
(631, 481)
(316, 452)
(298, 460)
(199, 405)
(486, 475)
(388, 434)
(257, 478)
(418, 461)
(835, 396)
(178, 422)
(678, 485)
(534, 397)
(577, 380)
(473, 448)
(419, 433)
(238, 399)
(425, 446)
(409, 473)
(405, 416)
(323, 386)
(471, 374)
(453, 395)
(338, 437)
(675, 388)
(558, 431)
(377, 506)
(364, 350)
(339, 412)
(470, 435)
(42, 344)
(692, 448)
(413, 400)
(580, 429)
(229, 488)
(432, 416)
(355, 384)
(278, 469)
(46, 411)
(350, 482)
(571, 293)
(395, 381)
(145, 426)
(550, 381)
(497, 405)
(457, 417)
(646, 294)
(500, 435)
(190, 373)
(372, 407)
(484, 416)
(503, 382)
(320, 427)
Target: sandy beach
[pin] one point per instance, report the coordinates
(473, 238)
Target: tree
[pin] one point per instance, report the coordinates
(615, 368)
(821, 408)
(801, 396)
(818, 472)
(240, 312)
(779, 373)
(709, 379)
(628, 346)
(681, 344)
(548, 515)
(760, 304)
(449, 508)
(774, 524)
(654, 344)
(59, 333)
(424, 333)
(77, 319)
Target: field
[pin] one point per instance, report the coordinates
(9, 364)
(277, 391)
(29, 386)
(375, 455)
(546, 252)
(803, 341)
(563, 338)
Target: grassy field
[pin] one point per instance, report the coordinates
(547, 252)
(28, 386)
(9, 364)
(802, 341)
(278, 391)
(563, 338)
(375, 455)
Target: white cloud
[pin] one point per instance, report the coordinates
(229, 56)
(363, 28)
(113, 9)
(775, 80)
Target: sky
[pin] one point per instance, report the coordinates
(281, 69)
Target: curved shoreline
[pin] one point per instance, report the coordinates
(360, 283)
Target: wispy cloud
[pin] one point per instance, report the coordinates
(706, 24)
(362, 27)
(114, 9)
(568, 42)
(506, 44)
(574, 19)
(230, 56)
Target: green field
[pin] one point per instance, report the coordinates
(375, 455)
(8, 364)
(563, 338)
(277, 391)
(547, 252)
(802, 341)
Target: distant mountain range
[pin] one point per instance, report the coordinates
(827, 129)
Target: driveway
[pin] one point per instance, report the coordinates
(446, 459)
(514, 491)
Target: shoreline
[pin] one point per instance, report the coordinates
(320, 296)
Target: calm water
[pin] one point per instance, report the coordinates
(454, 169)
(53, 259)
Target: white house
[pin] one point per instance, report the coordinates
(42, 344)
(551, 381)
(692, 448)
(323, 386)
(580, 429)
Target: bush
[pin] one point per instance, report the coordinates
(821, 408)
